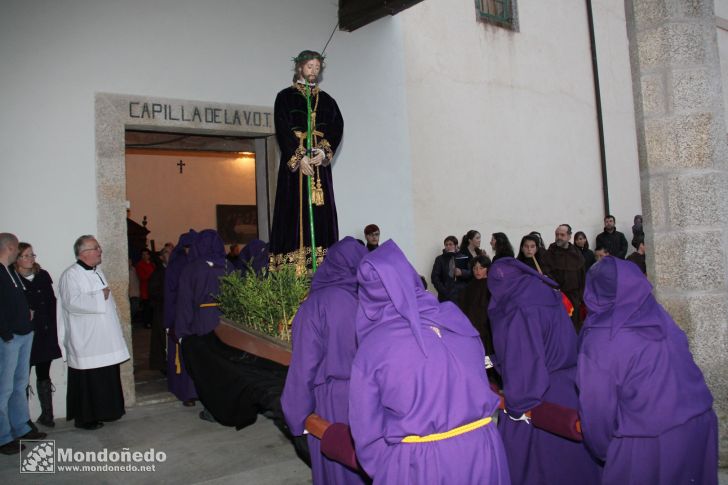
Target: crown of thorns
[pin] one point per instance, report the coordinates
(307, 56)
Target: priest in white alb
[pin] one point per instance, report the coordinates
(91, 340)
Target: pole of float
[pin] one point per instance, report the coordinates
(309, 153)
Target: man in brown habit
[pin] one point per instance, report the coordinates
(567, 269)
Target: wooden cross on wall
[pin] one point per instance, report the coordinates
(181, 164)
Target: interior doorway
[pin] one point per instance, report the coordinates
(176, 182)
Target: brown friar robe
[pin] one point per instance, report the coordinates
(567, 269)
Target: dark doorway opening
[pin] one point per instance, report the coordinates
(176, 182)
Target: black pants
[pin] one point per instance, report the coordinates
(43, 370)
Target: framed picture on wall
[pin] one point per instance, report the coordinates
(237, 223)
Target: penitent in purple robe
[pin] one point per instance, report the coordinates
(645, 409)
(419, 370)
(179, 381)
(196, 312)
(535, 349)
(324, 343)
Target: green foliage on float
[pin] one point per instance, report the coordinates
(265, 303)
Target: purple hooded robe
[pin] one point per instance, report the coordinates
(198, 282)
(178, 384)
(535, 349)
(644, 405)
(253, 256)
(324, 344)
(419, 370)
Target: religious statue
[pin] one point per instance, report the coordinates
(309, 127)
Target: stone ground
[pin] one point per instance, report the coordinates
(196, 451)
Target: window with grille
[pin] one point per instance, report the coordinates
(498, 12)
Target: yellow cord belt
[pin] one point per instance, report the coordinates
(177, 363)
(447, 434)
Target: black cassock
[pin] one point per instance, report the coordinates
(290, 241)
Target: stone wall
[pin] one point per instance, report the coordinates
(683, 168)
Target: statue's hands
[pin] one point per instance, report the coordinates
(306, 167)
(318, 157)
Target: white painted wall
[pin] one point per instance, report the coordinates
(450, 124)
(503, 125)
(174, 202)
(56, 55)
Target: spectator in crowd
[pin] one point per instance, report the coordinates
(42, 301)
(371, 233)
(582, 244)
(410, 421)
(531, 254)
(473, 301)
(611, 239)
(537, 235)
(637, 229)
(91, 340)
(567, 269)
(501, 246)
(324, 344)
(644, 406)
(16, 331)
(157, 354)
(447, 277)
(144, 269)
(535, 348)
(469, 249)
(638, 256)
(169, 247)
(134, 292)
(600, 252)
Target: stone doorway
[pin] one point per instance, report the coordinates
(116, 114)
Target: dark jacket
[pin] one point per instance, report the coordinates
(567, 269)
(614, 242)
(14, 311)
(42, 300)
(639, 260)
(589, 258)
(443, 276)
(463, 260)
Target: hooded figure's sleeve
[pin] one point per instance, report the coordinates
(521, 361)
(298, 400)
(597, 404)
(366, 419)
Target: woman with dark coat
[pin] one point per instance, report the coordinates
(582, 244)
(473, 301)
(447, 275)
(42, 301)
